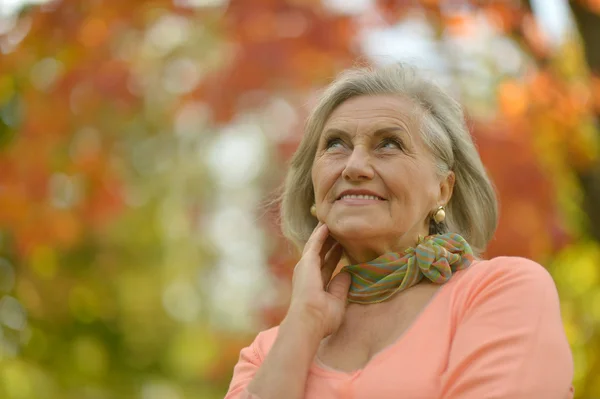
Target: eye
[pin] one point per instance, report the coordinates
(333, 142)
(391, 142)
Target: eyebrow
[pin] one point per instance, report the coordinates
(379, 132)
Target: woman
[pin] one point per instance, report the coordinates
(387, 177)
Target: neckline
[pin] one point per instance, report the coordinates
(318, 367)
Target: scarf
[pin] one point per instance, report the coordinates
(434, 257)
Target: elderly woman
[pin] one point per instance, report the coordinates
(387, 177)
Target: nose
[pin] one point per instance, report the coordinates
(358, 166)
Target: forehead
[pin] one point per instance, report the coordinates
(374, 110)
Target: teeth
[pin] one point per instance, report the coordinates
(371, 197)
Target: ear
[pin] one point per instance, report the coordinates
(446, 188)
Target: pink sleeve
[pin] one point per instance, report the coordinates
(509, 341)
(244, 372)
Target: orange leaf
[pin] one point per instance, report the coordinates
(93, 32)
(459, 23)
(512, 99)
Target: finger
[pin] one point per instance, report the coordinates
(316, 231)
(331, 262)
(316, 239)
(327, 245)
(339, 286)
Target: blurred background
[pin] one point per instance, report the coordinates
(141, 141)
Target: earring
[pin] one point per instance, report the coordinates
(313, 210)
(440, 215)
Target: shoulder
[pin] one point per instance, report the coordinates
(507, 268)
(509, 278)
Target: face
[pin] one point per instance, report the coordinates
(374, 178)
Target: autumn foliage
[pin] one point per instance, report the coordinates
(109, 109)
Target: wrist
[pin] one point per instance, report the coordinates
(304, 321)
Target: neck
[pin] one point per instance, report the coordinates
(436, 259)
(358, 252)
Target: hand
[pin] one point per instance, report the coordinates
(313, 295)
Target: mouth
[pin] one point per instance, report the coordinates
(359, 195)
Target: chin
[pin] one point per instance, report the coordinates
(351, 230)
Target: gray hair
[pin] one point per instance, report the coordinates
(473, 209)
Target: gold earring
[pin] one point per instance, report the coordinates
(440, 215)
(313, 210)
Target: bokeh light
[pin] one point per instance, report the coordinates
(142, 145)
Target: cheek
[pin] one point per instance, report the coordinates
(401, 182)
(409, 184)
(324, 177)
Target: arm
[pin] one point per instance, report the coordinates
(510, 342)
(315, 312)
(285, 369)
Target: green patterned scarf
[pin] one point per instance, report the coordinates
(434, 257)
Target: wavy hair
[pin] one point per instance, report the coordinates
(473, 209)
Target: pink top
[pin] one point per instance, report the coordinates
(493, 331)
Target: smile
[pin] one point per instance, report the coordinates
(360, 197)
